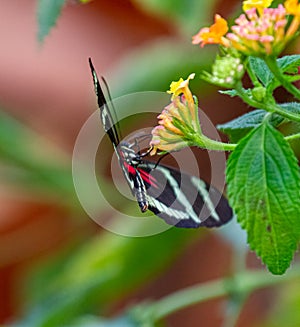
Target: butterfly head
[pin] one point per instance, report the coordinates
(128, 154)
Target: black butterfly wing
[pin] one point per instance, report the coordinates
(105, 112)
(182, 199)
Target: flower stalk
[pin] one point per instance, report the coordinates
(270, 107)
(179, 125)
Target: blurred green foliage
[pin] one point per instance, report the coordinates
(157, 64)
(185, 15)
(285, 311)
(106, 269)
(48, 12)
(20, 147)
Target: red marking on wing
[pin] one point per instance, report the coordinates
(147, 177)
(130, 169)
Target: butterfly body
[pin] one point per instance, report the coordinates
(129, 162)
(178, 198)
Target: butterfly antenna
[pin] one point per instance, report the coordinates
(141, 138)
(160, 159)
(113, 108)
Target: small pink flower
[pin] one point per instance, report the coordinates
(260, 34)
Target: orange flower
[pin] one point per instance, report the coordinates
(213, 34)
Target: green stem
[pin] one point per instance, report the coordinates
(274, 68)
(233, 311)
(292, 137)
(273, 108)
(236, 301)
(241, 283)
(203, 141)
(294, 78)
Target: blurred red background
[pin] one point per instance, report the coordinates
(48, 87)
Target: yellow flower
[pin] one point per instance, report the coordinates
(174, 86)
(182, 87)
(213, 34)
(258, 4)
(292, 7)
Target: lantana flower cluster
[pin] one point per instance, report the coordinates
(259, 31)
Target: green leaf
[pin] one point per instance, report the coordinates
(239, 127)
(232, 93)
(93, 321)
(261, 70)
(264, 190)
(48, 12)
(293, 107)
(288, 64)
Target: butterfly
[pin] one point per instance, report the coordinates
(178, 198)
